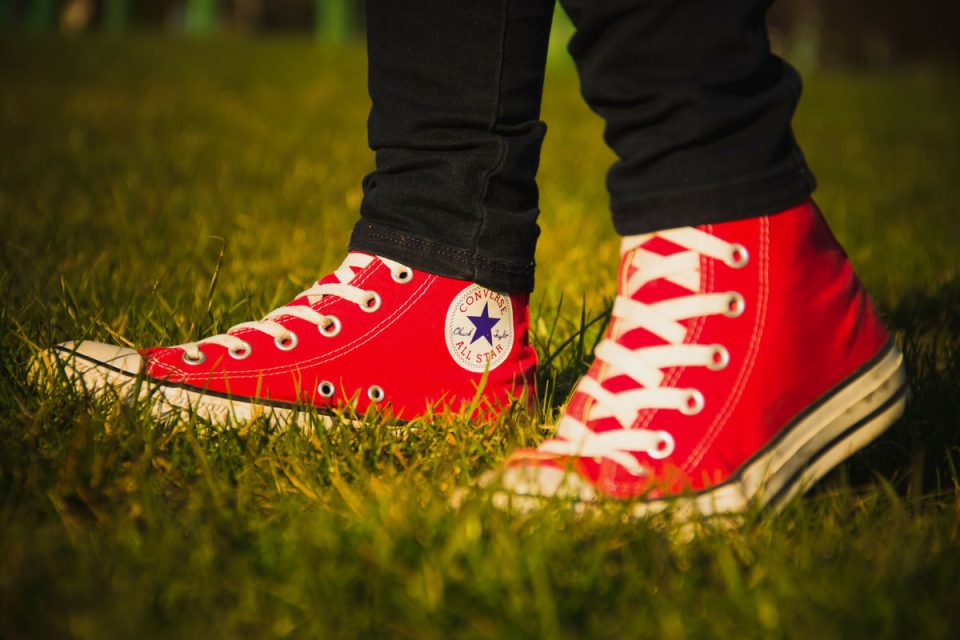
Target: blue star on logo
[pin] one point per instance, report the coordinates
(484, 324)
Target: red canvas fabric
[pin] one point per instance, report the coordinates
(807, 326)
(428, 345)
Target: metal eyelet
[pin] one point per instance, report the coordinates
(693, 403)
(665, 446)
(738, 258)
(241, 352)
(286, 343)
(719, 358)
(371, 302)
(403, 276)
(194, 361)
(736, 305)
(331, 328)
(326, 389)
(375, 393)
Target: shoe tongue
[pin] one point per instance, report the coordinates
(660, 245)
(330, 278)
(651, 292)
(346, 272)
(660, 288)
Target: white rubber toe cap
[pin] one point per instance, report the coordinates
(526, 488)
(91, 366)
(546, 482)
(86, 354)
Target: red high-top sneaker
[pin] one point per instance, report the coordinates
(743, 361)
(374, 332)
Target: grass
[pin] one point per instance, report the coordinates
(129, 167)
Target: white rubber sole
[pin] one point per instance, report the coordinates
(834, 428)
(102, 369)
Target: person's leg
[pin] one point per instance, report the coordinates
(744, 359)
(431, 304)
(456, 88)
(696, 107)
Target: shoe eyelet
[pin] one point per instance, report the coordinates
(371, 302)
(693, 403)
(665, 446)
(375, 393)
(331, 328)
(326, 389)
(719, 358)
(738, 258)
(286, 343)
(200, 359)
(736, 305)
(402, 276)
(240, 352)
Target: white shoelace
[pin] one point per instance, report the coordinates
(647, 365)
(328, 325)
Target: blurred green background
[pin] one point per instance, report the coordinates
(810, 32)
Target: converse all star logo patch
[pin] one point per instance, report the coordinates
(479, 328)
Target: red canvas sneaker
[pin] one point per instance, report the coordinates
(373, 333)
(743, 361)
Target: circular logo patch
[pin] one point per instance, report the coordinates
(479, 328)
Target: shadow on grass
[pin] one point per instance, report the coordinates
(920, 454)
(921, 313)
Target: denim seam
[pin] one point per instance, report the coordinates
(501, 147)
(798, 170)
(795, 151)
(462, 256)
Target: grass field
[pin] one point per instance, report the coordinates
(128, 166)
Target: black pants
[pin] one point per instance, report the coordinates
(696, 107)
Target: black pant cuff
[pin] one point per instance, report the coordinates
(443, 260)
(755, 196)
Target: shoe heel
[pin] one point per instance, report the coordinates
(883, 393)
